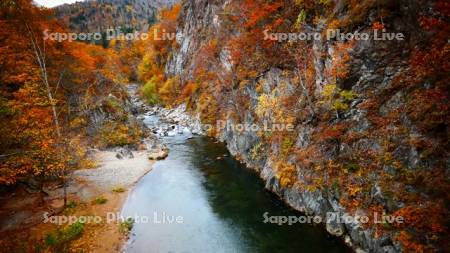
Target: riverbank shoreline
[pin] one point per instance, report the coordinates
(113, 180)
(118, 171)
(91, 193)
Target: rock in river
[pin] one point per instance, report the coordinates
(158, 154)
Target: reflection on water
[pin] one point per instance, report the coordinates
(221, 203)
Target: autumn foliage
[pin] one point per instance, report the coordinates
(370, 119)
(80, 76)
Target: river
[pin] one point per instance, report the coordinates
(219, 204)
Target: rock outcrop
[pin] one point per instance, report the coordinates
(374, 67)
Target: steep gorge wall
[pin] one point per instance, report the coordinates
(345, 161)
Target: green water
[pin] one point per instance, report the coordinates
(221, 203)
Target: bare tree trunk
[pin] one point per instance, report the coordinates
(299, 56)
(41, 60)
(306, 93)
(65, 188)
(40, 57)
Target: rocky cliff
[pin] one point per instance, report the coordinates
(370, 125)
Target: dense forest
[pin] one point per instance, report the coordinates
(49, 89)
(370, 117)
(100, 16)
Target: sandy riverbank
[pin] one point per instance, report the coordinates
(112, 174)
(111, 180)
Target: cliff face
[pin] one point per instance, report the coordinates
(355, 148)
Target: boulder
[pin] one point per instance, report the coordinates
(124, 153)
(159, 154)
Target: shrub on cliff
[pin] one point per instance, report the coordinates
(150, 92)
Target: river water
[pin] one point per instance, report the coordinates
(195, 202)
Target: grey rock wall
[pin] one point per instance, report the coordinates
(373, 67)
